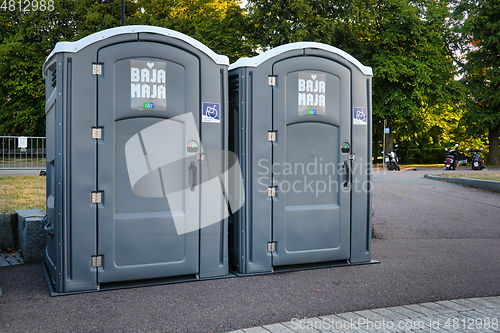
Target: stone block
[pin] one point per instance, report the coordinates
(6, 233)
(31, 234)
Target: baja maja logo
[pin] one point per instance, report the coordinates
(148, 89)
(311, 94)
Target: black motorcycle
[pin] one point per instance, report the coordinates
(454, 158)
(392, 160)
(477, 160)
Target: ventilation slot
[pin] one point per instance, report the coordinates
(53, 78)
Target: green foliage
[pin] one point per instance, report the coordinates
(422, 156)
(95, 15)
(405, 43)
(26, 40)
(219, 24)
(28, 37)
(413, 82)
(275, 23)
(409, 44)
(481, 68)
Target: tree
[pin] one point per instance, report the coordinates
(480, 34)
(219, 24)
(92, 16)
(275, 23)
(406, 44)
(27, 38)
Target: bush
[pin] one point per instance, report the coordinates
(422, 156)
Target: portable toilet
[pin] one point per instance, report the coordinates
(131, 198)
(300, 122)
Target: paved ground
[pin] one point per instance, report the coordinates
(460, 315)
(10, 258)
(436, 242)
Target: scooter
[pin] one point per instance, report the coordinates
(454, 158)
(477, 162)
(391, 160)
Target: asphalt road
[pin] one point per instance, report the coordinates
(435, 241)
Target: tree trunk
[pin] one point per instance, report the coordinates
(494, 143)
(407, 153)
(375, 151)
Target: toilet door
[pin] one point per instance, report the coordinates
(148, 109)
(311, 117)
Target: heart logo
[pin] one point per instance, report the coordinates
(150, 65)
(313, 77)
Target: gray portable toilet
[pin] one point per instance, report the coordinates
(300, 123)
(130, 113)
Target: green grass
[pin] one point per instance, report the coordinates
(413, 165)
(495, 176)
(421, 165)
(23, 161)
(24, 192)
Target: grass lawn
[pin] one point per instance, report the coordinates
(413, 165)
(24, 192)
(421, 165)
(475, 175)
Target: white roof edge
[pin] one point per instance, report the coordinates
(73, 47)
(257, 60)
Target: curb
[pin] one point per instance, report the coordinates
(487, 185)
(8, 230)
(24, 229)
(459, 315)
(32, 237)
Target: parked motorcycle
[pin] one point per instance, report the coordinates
(392, 160)
(454, 158)
(477, 162)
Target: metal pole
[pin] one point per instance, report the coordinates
(383, 155)
(123, 13)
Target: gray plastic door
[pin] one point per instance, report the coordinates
(148, 109)
(311, 114)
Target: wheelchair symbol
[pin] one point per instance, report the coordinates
(212, 112)
(360, 115)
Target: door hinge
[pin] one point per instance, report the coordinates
(352, 157)
(96, 261)
(200, 157)
(271, 136)
(271, 247)
(96, 197)
(271, 191)
(96, 69)
(97, 133)
(271, 80)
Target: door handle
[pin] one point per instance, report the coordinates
(48, 227)
(192, 176)
(346, 167)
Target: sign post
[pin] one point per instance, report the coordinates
(383, 144)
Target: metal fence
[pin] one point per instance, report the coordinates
(22, 152)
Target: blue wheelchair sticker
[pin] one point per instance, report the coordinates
(211, 113)
(360, 116)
